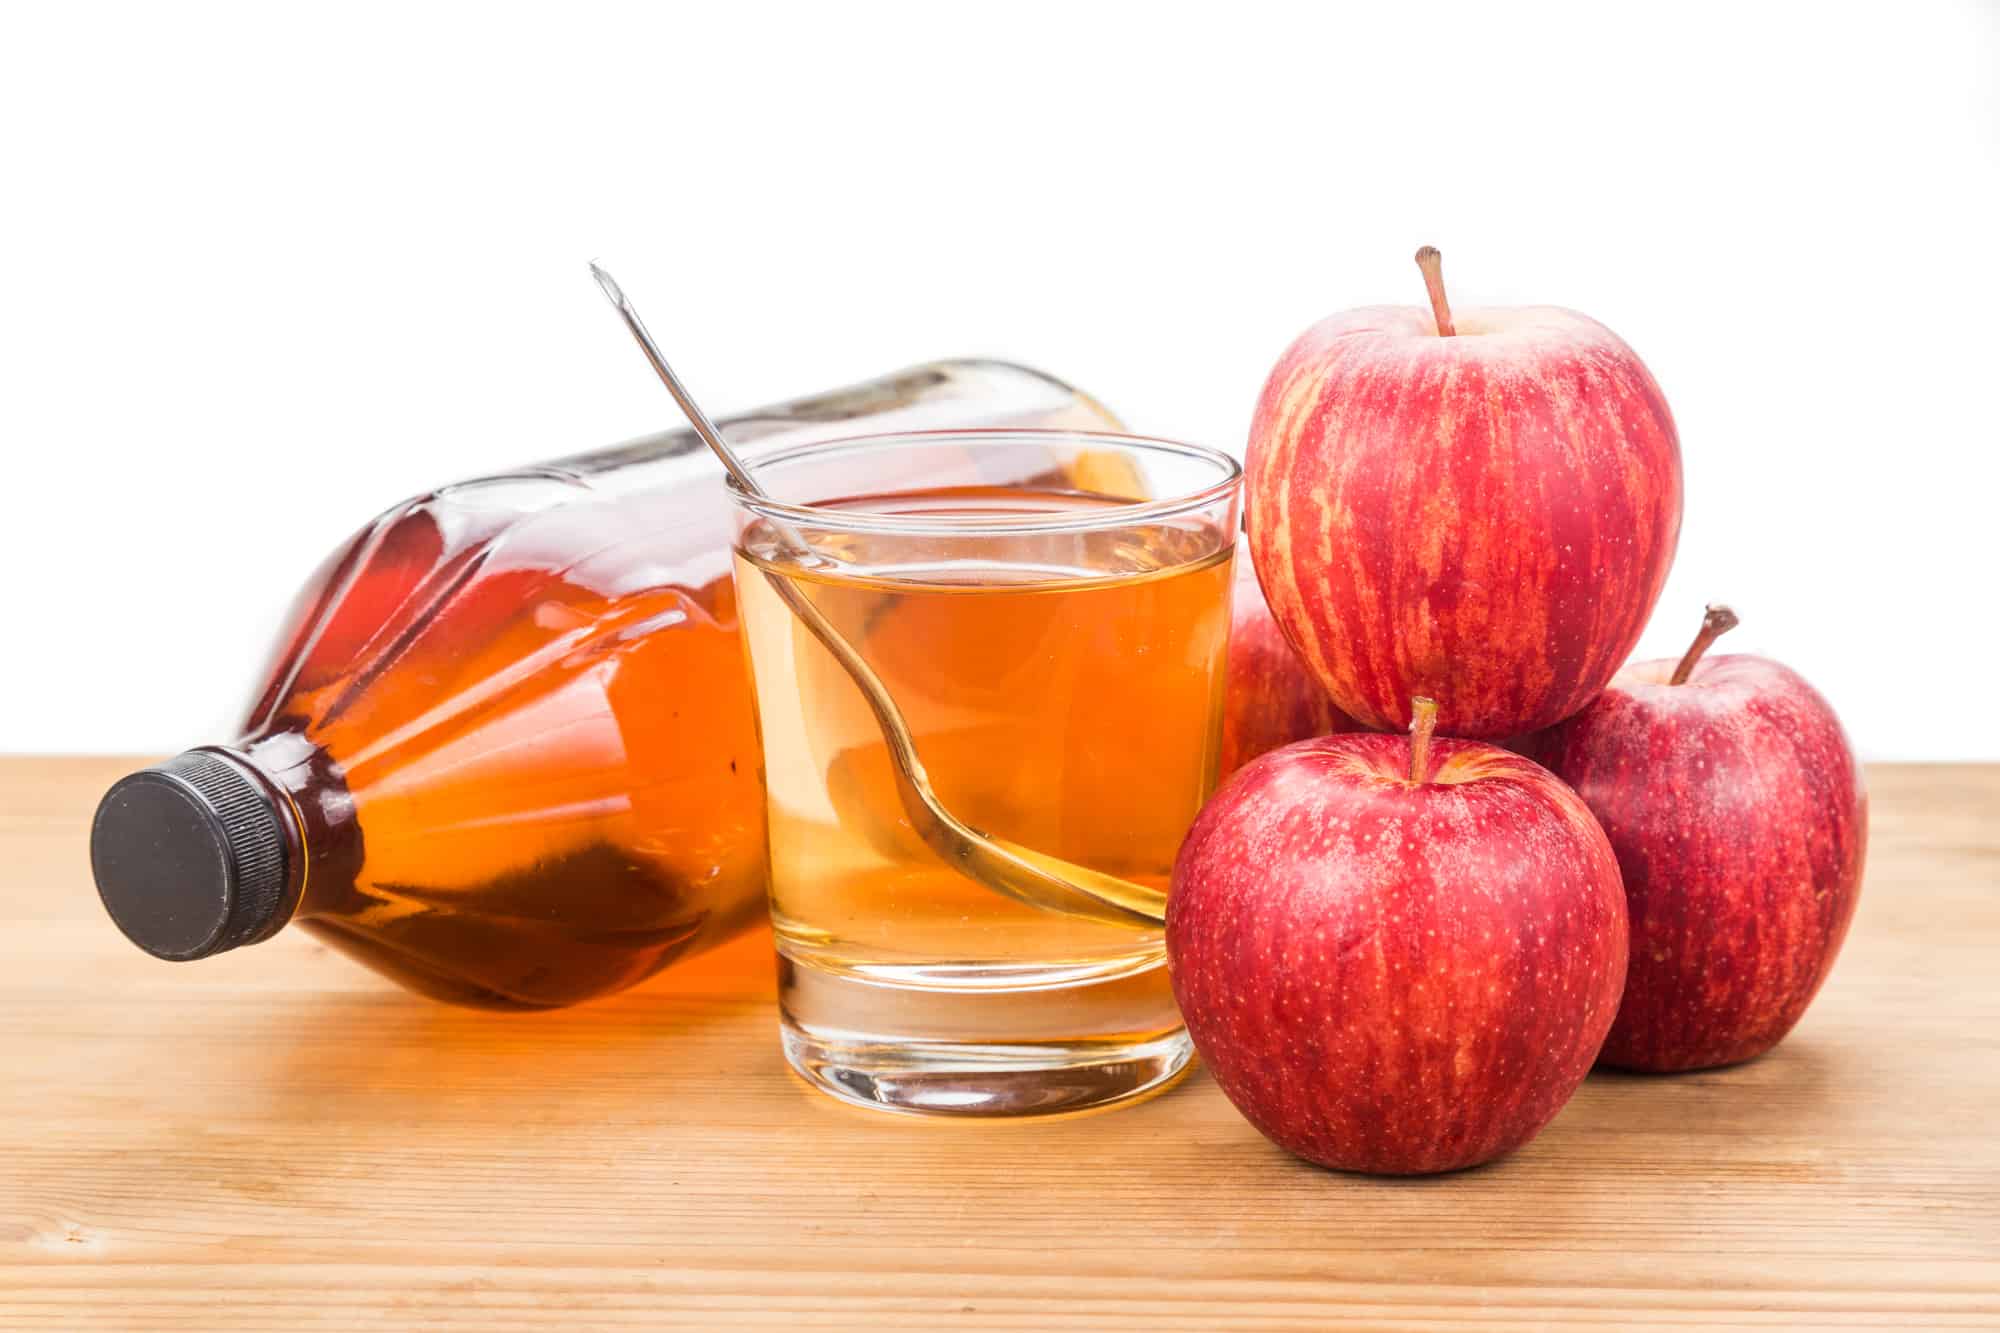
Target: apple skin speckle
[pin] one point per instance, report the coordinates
(1393, 977)
(1740, 820)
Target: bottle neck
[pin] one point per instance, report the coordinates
(322, 834)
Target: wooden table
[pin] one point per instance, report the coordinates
(277, 1139)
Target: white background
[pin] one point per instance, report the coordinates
(267, 269)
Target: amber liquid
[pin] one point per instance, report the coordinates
(515, 719)
(547, 738)
(1064, 693)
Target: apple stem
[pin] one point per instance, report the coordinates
(1432, 263)
(1715, 623)
(1423, 721)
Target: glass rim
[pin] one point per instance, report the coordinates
(1114, 514)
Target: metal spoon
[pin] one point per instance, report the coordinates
(1005, 867)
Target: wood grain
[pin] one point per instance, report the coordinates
(277, 1139)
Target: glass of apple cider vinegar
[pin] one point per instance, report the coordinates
(1050, 612)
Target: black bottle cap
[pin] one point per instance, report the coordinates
(191, 858)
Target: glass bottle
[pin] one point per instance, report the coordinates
(505, 752)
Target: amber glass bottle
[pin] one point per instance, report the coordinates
(506, 751)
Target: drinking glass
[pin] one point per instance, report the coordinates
(1050, 612)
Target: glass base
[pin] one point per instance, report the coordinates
(932, 1060)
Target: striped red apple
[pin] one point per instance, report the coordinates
(1396, 955)
(1740, 820)
(1481, 510)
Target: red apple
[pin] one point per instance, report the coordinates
(1273, 698)
(1481, 511)
(1740, 820)
(1394, 955)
